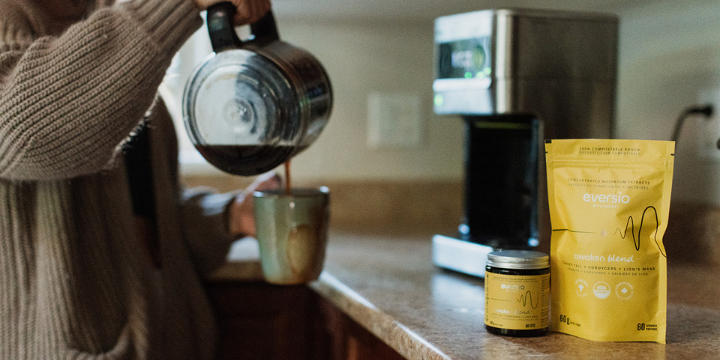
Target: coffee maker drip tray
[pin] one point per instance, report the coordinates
(460, 255)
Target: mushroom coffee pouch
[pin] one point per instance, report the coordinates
(609, 203)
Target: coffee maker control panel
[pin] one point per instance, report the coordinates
(465, 59)
(463, 63)
(497, 62)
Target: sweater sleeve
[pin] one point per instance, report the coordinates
(205, 227)
(66, 102)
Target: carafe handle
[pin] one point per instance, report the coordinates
(222, 32)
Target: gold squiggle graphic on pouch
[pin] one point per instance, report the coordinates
(631, 223)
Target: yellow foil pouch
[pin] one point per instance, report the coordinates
(609, 202)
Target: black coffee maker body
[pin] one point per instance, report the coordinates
(517, 77)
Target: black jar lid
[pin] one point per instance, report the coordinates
(518, 259)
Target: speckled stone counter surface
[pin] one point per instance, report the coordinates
(388, 284)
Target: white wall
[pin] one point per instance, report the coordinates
(362, 58)
(670, 59)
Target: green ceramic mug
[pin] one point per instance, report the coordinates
(292, 233)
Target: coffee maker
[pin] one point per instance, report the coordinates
(517, 77)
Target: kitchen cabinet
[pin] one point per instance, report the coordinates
(262, 321)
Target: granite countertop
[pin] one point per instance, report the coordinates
(389, 285)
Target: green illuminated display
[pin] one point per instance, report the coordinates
(463, 59)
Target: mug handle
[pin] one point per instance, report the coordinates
(222, 32)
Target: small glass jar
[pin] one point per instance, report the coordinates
(517, 293)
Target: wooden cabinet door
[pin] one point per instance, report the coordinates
(345, 339)
(259, 321)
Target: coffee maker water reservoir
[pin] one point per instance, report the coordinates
(517, 77)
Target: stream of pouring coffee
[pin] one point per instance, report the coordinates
(287, 177)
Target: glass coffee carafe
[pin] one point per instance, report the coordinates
(254, 103)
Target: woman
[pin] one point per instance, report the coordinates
(101, 253)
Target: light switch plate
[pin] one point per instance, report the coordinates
(394, 120)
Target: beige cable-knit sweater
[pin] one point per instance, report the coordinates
(74, 282)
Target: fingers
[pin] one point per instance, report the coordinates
(268, 181)
(241, 216)
(241, 220)
(250, 11)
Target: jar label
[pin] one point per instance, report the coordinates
(517, 302)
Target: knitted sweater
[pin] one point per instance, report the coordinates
(74, 279)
